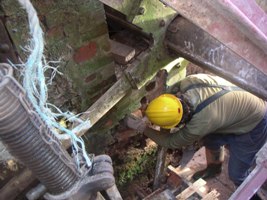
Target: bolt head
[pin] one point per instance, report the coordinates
(141, 11)
(162, 23)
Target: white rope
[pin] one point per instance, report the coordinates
(34, 83)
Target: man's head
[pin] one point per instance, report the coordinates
(165, 111)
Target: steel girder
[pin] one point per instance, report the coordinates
(239, 25)
(191, 42)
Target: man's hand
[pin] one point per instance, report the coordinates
(138, 124)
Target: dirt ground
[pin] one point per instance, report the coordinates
(139, 184)
(134, 167)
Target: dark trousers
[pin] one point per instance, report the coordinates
(242, 149)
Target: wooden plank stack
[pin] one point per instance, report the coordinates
(179, 187)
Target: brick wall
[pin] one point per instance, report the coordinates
(76, 34)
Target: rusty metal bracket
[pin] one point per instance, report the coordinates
(191, 42)
(132, 80)
(135, 73)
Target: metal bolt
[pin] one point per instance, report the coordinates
(4, 48)
(158, 57)
(141, 11)
(162, 23)
(14, 30)
(136, 80)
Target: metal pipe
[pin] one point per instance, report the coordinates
(36, 192)
(113, 193)
(251, 184)
(16, 185)
(28, 138)
(203, 15)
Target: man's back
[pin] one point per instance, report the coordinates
(235, 112)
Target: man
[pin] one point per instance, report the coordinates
(214, 110)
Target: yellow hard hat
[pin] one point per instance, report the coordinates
(165, 111)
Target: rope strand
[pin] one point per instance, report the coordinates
(34, 83)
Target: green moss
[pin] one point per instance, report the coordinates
(56, 49)
(79, 72)
(85, 6)
(128, 7)
(136, 165)
(88, 34)
(12, 7)
(17, 27)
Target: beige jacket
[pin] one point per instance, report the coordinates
(236, 112)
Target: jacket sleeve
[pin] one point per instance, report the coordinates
(172, 140)
(200, 125)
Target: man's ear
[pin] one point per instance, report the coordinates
(179, 94)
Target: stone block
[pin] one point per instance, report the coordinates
(55, 32)
(93, 34)
(122, 53)
(91, 21)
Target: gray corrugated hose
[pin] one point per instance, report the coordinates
(28, 139)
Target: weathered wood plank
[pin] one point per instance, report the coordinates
(213, 195)
(197, 185)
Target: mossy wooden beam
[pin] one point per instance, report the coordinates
(106, 102)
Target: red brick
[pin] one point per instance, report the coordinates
(174, 180)
(55, 32)
(125, 135)
(85, 53)
(109, 123)
(90, 78)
